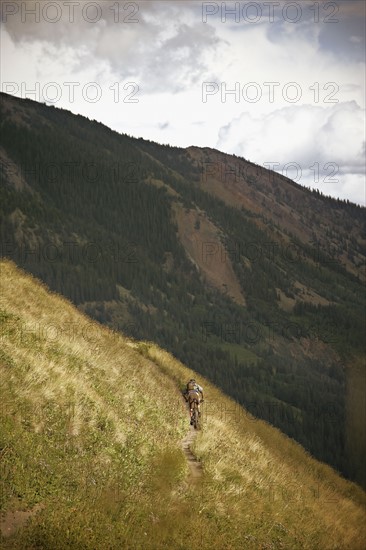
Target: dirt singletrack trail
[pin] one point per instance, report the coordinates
(195, 467)
(13, 520)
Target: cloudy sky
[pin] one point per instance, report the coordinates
(280, 83)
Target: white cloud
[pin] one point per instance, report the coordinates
(170, 52)
(328, 144)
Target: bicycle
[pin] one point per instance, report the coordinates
(195, 417)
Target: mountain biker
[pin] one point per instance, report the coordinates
(192, 393)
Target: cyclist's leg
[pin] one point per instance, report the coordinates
(191, 404)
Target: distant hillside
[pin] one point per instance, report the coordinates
(250, 279)
(91, 452)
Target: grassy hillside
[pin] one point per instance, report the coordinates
(91, 430)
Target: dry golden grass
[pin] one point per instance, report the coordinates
(91, 431)
(259, 472)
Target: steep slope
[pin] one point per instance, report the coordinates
(262, 293)
(91, 448)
